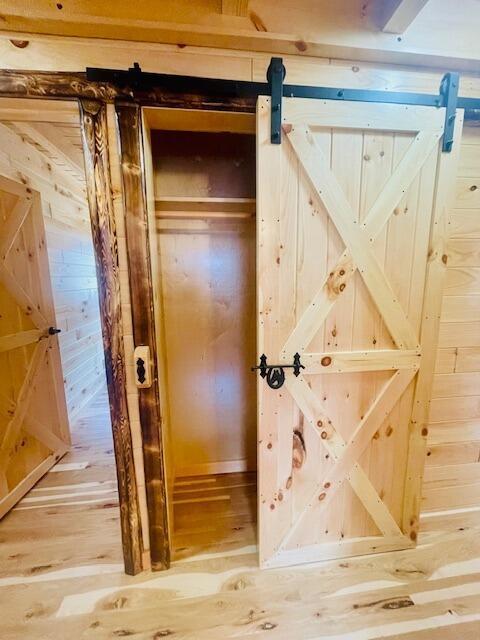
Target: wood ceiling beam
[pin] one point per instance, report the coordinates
(398, 15)
(235, 8)
(328, 30)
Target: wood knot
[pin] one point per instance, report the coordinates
(342, 272)
(267, 626)
(326, 361)
(424, 431)
(342, 286)
(324, 435)
(319, 423)
(301, 45)
(388, 431)
(20, 44)
(288, 484)
(269, 445)
(327, 485)
(298, 452)
(473, 187)
(322, 496)
(413, 535)
(444, 258)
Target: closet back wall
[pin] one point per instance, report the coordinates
(204, 189)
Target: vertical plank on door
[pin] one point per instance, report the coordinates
(432, 307)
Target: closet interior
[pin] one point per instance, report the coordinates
(200, 174)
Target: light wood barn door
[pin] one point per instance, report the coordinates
(33, 418)
(352, 221)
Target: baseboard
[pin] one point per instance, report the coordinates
(212, 468)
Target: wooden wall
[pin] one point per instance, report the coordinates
(452, 474)
(452, 470)
(204, 188)
(42, 147)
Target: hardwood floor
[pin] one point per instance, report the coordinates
(61, 571)
(214, 513)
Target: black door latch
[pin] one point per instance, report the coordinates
(274, 373)
(141, 371)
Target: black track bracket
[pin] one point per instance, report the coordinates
(449, 93)
(275, 77)
(241, 95)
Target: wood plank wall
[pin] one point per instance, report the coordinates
(452, 474)
(70, 249)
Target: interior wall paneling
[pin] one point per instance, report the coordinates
(439, 35)
(205, 206)
(30, 157)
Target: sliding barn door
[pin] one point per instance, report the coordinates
(352, 218)
(33, 418)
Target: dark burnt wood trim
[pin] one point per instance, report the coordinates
(54, 84)
(68, 86)
(93, 120)
(141, 293)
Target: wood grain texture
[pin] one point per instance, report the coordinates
(207, 285)
(30, 157)
(61, 573)
(144, 330)
(431, 313)
(34, 431)
(67, 86)
(350, 428)
(453, 468)
(297, 29)
(94, 134)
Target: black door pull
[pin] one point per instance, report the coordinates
(274, 373)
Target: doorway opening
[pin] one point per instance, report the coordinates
(55, 432)
(200, 174)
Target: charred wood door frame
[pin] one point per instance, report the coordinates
(129, 123)
(93, 120)
(93, 98)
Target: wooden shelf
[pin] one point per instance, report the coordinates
(199, 207)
